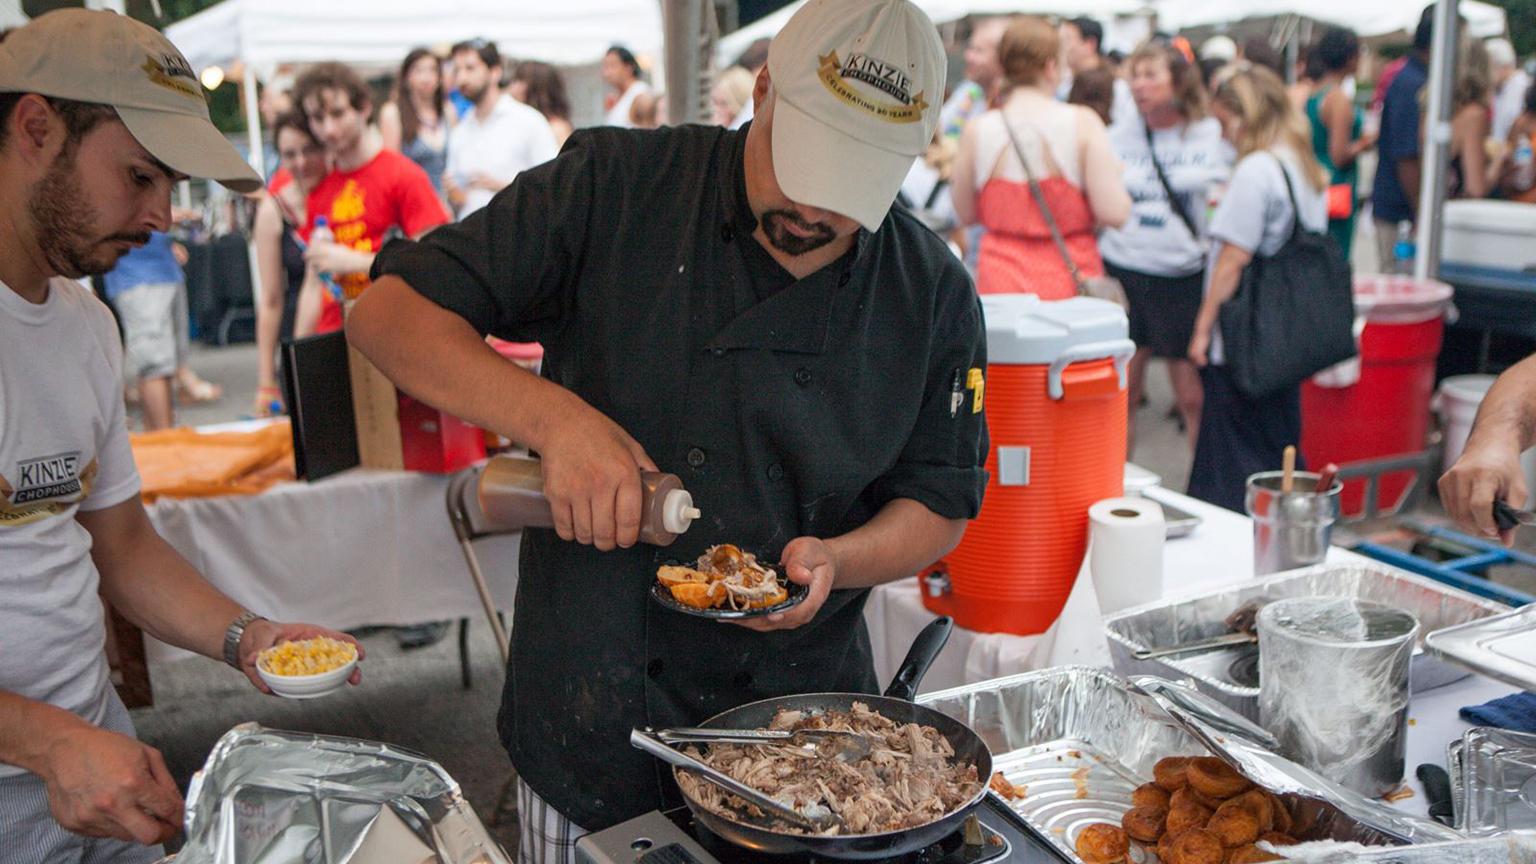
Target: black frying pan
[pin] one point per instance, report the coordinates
(897, 705)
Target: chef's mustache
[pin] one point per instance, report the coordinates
(137, 239)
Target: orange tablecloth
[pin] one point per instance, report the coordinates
(184, 463)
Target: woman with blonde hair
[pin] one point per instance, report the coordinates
(1174, 160)
(1033, 140)
(731, 91)
(1467, 171)
(1278, 181)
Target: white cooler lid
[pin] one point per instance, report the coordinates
(1500, 217)
(1023, 329)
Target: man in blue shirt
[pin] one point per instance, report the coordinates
(145, 288)
(1396, 196)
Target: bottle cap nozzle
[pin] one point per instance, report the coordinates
(678, 512)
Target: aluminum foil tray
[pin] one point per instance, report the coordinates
(1502, 647)
(1493, 781)
(1080, 739)
(1516, 848)
(1231, 675)
(271, 797)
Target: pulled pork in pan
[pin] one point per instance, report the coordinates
(910, 777)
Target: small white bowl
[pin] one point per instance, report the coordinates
(307, 686)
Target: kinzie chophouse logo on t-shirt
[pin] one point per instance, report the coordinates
(48, 477)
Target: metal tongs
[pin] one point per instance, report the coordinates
(652, 743)
(843, 746)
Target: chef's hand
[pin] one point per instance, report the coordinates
(262, 634)
(1487, 469)
(592, 480)
(103, 784)
(807, 561)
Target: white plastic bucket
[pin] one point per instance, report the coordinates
(1457, 402)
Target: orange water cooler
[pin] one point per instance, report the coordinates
(1056, 414)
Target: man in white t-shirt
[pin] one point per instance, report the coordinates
(1082, 49)
(499, 137)
(621, 71)
(81, 183)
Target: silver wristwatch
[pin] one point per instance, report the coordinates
(232, 637)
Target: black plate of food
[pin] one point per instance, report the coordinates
(726, 584)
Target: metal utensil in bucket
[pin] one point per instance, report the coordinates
(1290, 529)
(1333, 686)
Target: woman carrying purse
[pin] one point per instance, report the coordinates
(1276, 182)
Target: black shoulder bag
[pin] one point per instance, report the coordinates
(1293, 313)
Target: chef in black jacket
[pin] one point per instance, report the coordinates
(746, 310)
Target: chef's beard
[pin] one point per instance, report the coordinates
(791, 244)
(62, 217)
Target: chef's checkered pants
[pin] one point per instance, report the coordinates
(545, 835)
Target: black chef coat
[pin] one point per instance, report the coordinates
(788, 408)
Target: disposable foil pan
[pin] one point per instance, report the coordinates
(271, 797)
(1502, 647)
(1229, 675)
(1079, 740)
(1493, 781)
(1516, 848)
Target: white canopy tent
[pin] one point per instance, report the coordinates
(265, 33)
(941, 11)
(1366, 17)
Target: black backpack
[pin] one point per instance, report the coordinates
(1293, 313)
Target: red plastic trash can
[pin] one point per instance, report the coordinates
(1386, 412)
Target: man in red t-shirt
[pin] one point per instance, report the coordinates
(369, 190)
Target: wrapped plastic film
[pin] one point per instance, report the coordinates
(1333, 686)
(266, 796)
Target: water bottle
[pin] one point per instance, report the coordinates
(1404, 250)
(1525, 165)
(322, 234)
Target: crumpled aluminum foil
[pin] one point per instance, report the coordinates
(1517, 848)
(270, 797)
(1328, 809)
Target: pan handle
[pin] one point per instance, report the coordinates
(925, 649)
(644, 739)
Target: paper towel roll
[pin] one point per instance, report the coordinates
(1126, 552)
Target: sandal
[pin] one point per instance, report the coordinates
(197, 391)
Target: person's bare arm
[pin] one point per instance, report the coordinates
(1470, 129)
(1339, 117)
(1408, 175)
(389, 126)
(99, 783)
(155, 588)
(1489, 467)
(903, 538)
(1225, 274)
(963, 182)
(591, 465)
(268, 232)
(1103, 175)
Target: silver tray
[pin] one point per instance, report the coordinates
(1226, 674)
(1080, 739)
(1516, 848)
(1500, 646)
(1493, 781)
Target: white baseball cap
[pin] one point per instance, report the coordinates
(111, 59)
(859, 85)
(1218, 48)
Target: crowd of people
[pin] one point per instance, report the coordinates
(1167, 168)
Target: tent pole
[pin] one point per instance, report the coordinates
(1437, 139)
(258, 161)
(682, 22)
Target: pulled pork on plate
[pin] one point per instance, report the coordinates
(724, 577)
(910, 777)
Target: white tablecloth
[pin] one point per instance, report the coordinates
(1218, 552)
(361, 547)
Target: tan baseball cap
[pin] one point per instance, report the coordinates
(111, 59)
(859, 85)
